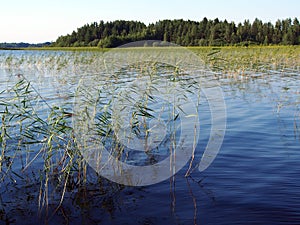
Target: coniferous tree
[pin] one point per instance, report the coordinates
(186, 33)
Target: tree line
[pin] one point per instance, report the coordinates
(185, 33)
(15, 45)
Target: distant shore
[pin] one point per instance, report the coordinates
(189, 47)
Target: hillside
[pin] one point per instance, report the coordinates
(22, 45)
(185, 33)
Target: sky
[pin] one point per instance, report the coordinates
(36, 21)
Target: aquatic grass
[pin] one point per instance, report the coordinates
(230, 61)
(50, 137)
(238, 60)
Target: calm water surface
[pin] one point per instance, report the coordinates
(254, 179)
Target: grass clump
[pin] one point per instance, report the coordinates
(27, 137)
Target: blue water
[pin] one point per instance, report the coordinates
(253, 180)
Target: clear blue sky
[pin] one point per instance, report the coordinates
(44, 20)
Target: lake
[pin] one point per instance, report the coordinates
(254, 178)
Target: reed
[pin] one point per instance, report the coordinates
(29, 136)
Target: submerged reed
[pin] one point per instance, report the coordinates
(27, 136)
(30, 136)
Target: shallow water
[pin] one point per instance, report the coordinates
(253, 180)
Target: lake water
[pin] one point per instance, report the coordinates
(253, 180)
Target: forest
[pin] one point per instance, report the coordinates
(185, 33)
(14, 45)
